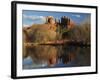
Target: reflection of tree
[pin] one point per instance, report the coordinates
(68, 54)
(84, 57)
(53, 55)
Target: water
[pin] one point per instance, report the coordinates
(49, 56)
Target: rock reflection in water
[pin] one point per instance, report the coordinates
(46, 56)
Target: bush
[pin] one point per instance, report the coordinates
(80, 32)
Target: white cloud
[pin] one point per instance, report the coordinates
(34, 17)
(26, 25)
(78, 16)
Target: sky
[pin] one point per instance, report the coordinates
(38, 17)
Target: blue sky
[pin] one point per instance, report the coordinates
(38, 17)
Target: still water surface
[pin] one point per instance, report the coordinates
(48, 56)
